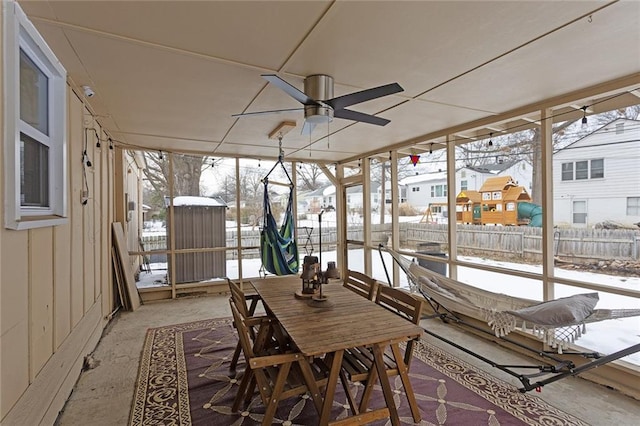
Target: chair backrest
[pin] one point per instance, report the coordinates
(400, 302)
(361, 284)
(403, 304)
(237, 295)
(243, 329)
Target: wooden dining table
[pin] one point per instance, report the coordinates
(346, 320)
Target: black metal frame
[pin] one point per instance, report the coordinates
(559, 369)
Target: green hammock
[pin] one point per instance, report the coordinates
(278, 247)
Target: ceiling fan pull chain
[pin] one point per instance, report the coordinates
(328, 130)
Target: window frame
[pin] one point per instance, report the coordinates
(575, 212)
(20, 34)
(581, 170)
(567, 171)
(600, 169)
(633, 203)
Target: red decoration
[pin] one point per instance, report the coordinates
(414, 159)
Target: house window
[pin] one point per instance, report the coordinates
(567, 171)
(633, 206)
(415, 189)
(597, 168)
(580, 212)
(582, 170)
(463, 185)
(35, 107)
(438, 190)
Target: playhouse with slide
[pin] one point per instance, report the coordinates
(500, 201)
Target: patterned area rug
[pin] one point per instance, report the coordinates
(184, 379)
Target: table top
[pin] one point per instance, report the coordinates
(351, 321)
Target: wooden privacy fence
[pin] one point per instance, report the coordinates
(580, 245)
(526, 242)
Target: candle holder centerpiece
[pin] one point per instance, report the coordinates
(310, 277)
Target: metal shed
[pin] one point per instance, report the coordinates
(199, 223)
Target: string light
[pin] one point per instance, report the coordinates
(85, 158)
(490, 139)
(110, 144)
(259, 164)
(431, 148)
(160, 156)
(584, 117)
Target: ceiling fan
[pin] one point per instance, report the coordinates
(319, 104)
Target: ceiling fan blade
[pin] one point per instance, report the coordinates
(273, 111)
(307, 128)
(364, 95)
(290, 90)
(359, 116)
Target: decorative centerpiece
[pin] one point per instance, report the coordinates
(319, 300)
(331, 272)
(310, 278)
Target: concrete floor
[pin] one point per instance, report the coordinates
(103, 395)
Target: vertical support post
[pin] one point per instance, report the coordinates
(366, 214)
(395, 214)
(452, 229)
(172, 234)
(238, 224)
(546, 141)
(341, 221)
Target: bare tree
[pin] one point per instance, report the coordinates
(310, 176)
(187, 170)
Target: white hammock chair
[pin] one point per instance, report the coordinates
(558, 322)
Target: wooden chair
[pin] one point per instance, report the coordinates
(277, 376)
(247, 305)
(357, 364)
(361, 284)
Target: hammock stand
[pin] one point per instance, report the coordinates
(278, 246)
(556, 368)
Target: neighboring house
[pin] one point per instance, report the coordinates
(473, 177)
(354, 197)
(425, 189)
(422, 190)
(402, 196)
(597, 178)
(326, 198)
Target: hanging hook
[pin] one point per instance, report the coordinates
(280, 150)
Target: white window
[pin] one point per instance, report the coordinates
(567, 171)
(597, 168)
(633, 206)
(582, 170)
(463, 185)
(580, 212)
(35, 106)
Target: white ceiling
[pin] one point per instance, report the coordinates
(169, 74)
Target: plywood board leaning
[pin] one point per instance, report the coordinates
(117, 272)
(130, 283)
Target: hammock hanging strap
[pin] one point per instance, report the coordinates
(278, 247)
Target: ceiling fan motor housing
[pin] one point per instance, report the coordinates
(319, 87)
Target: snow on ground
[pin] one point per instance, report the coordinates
(605, 336)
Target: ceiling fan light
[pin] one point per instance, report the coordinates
(317, 114)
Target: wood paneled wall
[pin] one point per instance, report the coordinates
(55, 285)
